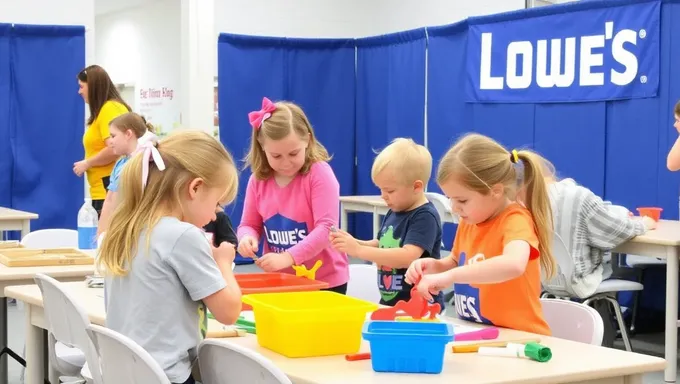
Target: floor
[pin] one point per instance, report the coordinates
(652, 344)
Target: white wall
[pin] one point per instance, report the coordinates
(53, 12)
(141, 46)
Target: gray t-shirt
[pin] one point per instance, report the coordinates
(158, 304)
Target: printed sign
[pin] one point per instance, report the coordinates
(594, 54)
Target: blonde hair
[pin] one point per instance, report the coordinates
(479, 163)
(133, 122)
(408, 160)
(187, 155)
(287, 118)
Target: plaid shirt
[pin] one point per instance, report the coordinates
(589, 228)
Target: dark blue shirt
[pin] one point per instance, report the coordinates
(420, 227)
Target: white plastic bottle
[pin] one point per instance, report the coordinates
(87, 226)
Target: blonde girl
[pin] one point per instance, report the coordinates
(292, 198)
(161, 271)
(501, 246)
(126, 131)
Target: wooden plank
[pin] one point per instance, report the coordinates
(10, 244)
(26, 257)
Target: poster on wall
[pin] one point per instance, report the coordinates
(160, 107)
(602, 53)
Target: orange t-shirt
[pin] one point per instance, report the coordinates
(515, 303)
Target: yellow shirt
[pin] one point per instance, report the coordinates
(94, 141)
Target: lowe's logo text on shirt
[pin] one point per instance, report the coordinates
(585, 55)
(282, 233)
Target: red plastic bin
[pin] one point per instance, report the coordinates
(275, 282)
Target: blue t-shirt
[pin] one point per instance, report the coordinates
(115, 173)
(420, 227)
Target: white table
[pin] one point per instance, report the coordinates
(663, 242)
(572, 362)
(13, 220)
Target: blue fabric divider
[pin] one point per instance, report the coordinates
(390, 103)
(298, 70)
(47, 122)
(6, 158)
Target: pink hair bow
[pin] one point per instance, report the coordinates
(150, 152)
(256, 118)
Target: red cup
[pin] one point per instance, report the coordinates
(651, 212)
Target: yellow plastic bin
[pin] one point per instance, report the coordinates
(309, 324)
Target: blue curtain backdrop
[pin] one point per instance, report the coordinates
(47, 122)
(316, 74)
(6, 158)
(390, 102)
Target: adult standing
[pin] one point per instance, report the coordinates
(105, 104)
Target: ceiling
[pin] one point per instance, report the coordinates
(102, 7)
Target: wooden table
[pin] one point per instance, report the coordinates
(13, 220)
(24, 275)
(572, 362)
(663, 242)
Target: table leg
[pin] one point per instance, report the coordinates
(343, 217)
(671, 355)
(35, 347)
(376, 223)
(3, 340)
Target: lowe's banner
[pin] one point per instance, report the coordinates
(585, 55)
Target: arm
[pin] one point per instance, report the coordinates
(510, 265)
(607, 230)
(325, 193)
(205, 278)
(251, 221)
(103, 157)
(107, 211)
(369, 243)
(109, 111)
(673, 159)
(224, 230)
(419, 238)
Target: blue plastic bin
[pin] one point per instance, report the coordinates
(408, 346)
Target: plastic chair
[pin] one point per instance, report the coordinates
(363, 282)
(69, 347)
(222, 362)
(607, 289)
(51, 238)
(442, 204)
(123, 360)
(573, 321)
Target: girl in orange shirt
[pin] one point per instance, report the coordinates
(501, 246)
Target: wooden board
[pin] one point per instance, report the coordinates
(25, 257)
(10, 244)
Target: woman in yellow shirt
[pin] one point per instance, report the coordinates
(105, 104)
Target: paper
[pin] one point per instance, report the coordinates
(248, 316)
(457, 328)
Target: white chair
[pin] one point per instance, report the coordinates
(363, 282)
(607, 289)
(51, 238)
(222, 362)
(124, 361)
(442, 204)
(573, 321)
(70, 350)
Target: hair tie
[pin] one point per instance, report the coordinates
(514, 156)
(256, 118)
(150, 153)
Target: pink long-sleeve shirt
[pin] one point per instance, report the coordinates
(297, 219)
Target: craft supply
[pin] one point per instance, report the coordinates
(358, 356)
(417, 308)
(472, 348)
(31, 257)
(10, 244)
(482, 334)
(302, 271)
(531, 351)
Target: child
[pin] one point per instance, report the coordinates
(673, 158)
(500, 245)
(160, 270)
(126, 131)
(292, 197)
(411, 229)
(221, 228)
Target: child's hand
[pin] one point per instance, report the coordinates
(272, 262)
(224, 253)
(419, 268)
(248, 246)
(432, 284)
(344, 242)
